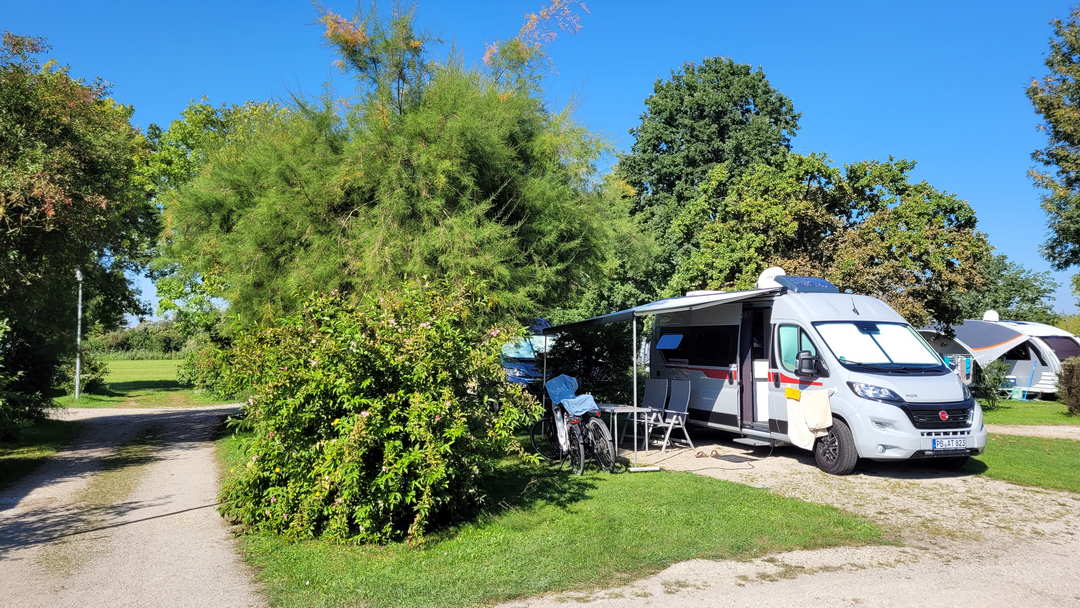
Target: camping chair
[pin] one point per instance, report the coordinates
(675, 414)
(655, 399)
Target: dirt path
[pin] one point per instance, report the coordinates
(1053, 432)
(966, 541)
(125, 518)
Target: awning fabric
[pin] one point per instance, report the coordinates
(986, 341)
(669, 305)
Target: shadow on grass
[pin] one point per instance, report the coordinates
(121, 389)
(523, 486)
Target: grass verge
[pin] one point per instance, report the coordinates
(550, 532)
(142, 383)
(1031, 412)
(36, 442)
(1032, 461)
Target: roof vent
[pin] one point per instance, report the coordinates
(767, 278)
(991, 315)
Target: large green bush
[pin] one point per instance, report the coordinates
(374, 421)
(211, 369)
(1069, 384)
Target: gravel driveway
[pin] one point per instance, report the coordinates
(966, 541)
(1053, 432)
(125, 518)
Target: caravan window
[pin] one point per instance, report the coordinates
(1063, 346)
(710, 345)
(793, 339)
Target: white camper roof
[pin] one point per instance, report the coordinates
(696, 301)
(1031, 328)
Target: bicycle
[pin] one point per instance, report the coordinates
(588, 438)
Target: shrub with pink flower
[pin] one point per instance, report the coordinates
(389, 435)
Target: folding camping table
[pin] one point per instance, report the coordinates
(614, 409)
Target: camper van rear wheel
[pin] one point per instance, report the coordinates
(835, 453)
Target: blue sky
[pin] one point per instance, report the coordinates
(941, 83)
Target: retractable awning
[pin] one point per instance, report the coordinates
(986, 341)
(669, 305)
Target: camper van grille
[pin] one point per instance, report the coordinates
(931, 418)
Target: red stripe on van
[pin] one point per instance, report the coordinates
(773, 376)
(721, 374)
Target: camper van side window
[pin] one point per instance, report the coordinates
(708, 345)
(792, 339)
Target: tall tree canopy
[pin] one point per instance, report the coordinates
(866, 227)
(438, 171)
(1013, 291)
(1056, 98)
(68, 155)
(714, 112)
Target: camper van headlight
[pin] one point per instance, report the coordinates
(967, 392)
(877, 393)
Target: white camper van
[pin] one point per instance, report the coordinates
(752, 357)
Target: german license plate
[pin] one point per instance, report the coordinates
(954, 443)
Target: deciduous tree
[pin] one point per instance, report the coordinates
(68, 153)
(708, 113)
(1013, 291)
(865, 226)
(1056, 98)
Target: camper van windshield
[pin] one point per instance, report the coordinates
(893, 346)
(519, 349)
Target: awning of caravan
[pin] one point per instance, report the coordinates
(669, 305)
(986, 341)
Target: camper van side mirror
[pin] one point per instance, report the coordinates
(806, 363)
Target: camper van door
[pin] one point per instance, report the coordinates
(702, 347)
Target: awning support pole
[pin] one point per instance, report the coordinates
(633, 381)
(543, 387)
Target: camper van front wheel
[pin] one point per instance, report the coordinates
(835, 453)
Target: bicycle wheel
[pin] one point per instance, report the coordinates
(599, 438)
(576, 457)
(544, 441)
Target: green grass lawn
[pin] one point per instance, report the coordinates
(1033, 461)
(35, 443)
(551, 532)
(146, 383)
(1030, 412)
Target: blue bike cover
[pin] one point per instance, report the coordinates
(562, 389)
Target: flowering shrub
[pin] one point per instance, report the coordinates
(374, 422)
(211, 369)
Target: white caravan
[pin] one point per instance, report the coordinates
(1032, 352)
(763, 363)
